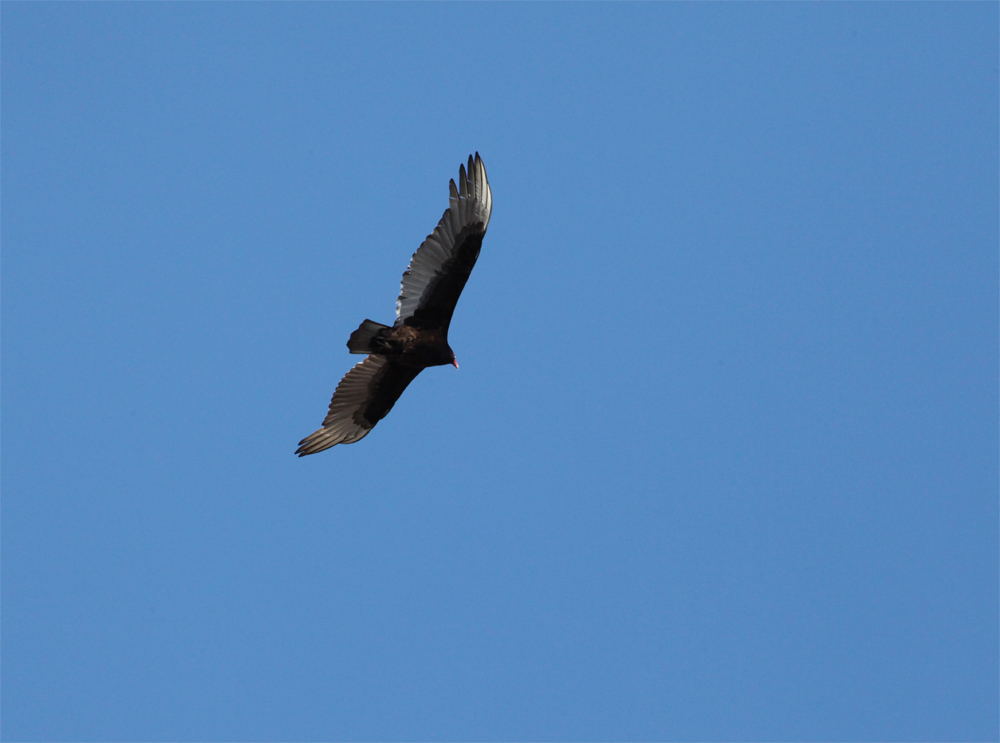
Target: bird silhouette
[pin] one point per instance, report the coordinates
(431, 286)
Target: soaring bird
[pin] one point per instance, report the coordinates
(431, 286)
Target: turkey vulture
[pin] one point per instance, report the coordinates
(430, 289)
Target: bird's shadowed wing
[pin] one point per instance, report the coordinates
(364, 396)
(437, 273)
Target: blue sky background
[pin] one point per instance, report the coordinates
(721, 461)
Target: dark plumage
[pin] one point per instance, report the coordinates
(431, 286)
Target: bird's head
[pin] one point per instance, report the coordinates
(445, 355)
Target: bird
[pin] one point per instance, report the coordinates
(430, 288)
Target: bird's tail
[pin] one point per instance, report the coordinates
(361, 339)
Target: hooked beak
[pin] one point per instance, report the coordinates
(454, 362)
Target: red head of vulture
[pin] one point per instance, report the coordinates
(431, 286)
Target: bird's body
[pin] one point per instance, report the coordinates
(418, 339)
(413, 346)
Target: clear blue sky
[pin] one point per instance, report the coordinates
(721, 460)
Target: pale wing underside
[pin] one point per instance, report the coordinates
(364, 396)
(468, 214)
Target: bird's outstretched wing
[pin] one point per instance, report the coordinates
(364, 396)
(439, 269)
